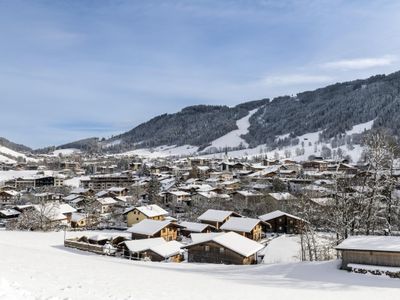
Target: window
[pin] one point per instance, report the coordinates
(207, 248)
(137, 219)
(221, 250)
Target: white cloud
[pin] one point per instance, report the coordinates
(360, 63)
(293, 79)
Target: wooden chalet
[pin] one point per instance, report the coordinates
(152, 228)
(216, 217)
(281, 222)
(135, 215)
(154, 249)
(223, 248)
(192, 227)
(247, 227)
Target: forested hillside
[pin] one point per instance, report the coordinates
(194, 125)
(333, 109)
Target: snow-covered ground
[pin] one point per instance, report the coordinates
(233, 138)
(309, 140)
(4, 152)
(65, 152)
(37, 266)
(12, 174)
(75, 182)
(283, 249)
(163, 151)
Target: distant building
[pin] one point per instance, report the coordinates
(370, 251)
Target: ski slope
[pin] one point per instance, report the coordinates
(36, 266)
(233, 138)
(6, 152)
(309, 140)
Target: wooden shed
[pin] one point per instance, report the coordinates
(370, 250)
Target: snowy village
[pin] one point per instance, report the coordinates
(199, 149)
(179, 210)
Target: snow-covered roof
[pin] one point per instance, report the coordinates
(240, 224)
(249, 193)
(152, 210)
(117, 189)
(211, 195)
(9, 212)
(11, 193)
(66, 208)
(371, 243)
(215, 215)
(202, 237)
(106, 201)
(276, 214)
(148, 227)
(193, 226)
(79, 191)
(233, 241)
(71, 197)
(179, 193)
(168, 249)
(76, 217)
(143, 244)
(282, 196)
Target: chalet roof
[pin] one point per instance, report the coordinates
(136, 246)
(11, 193)
(167, 249)
(106, 201)
(9, 212)
(371, 243)
(117, 189)
(80, 191)
(76, 217)
(50, 211)
(216, 215)
(65, 208)
(102, 193)
(249, 193)
(233, 241)
(201, 237)
(240, 224)
(152, 210)
(212, 194)
(282, 196)
(179, 193)
(193, 226)
(148, 227)
(71, 197)
(277, 214)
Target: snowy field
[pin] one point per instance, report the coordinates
(37, 266)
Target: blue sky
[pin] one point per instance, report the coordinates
(76, 69)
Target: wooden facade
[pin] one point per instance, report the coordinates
(211, 252)
(135, 216)
(151, 255)
(169, 233)
(375, 258)
(286, 224)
